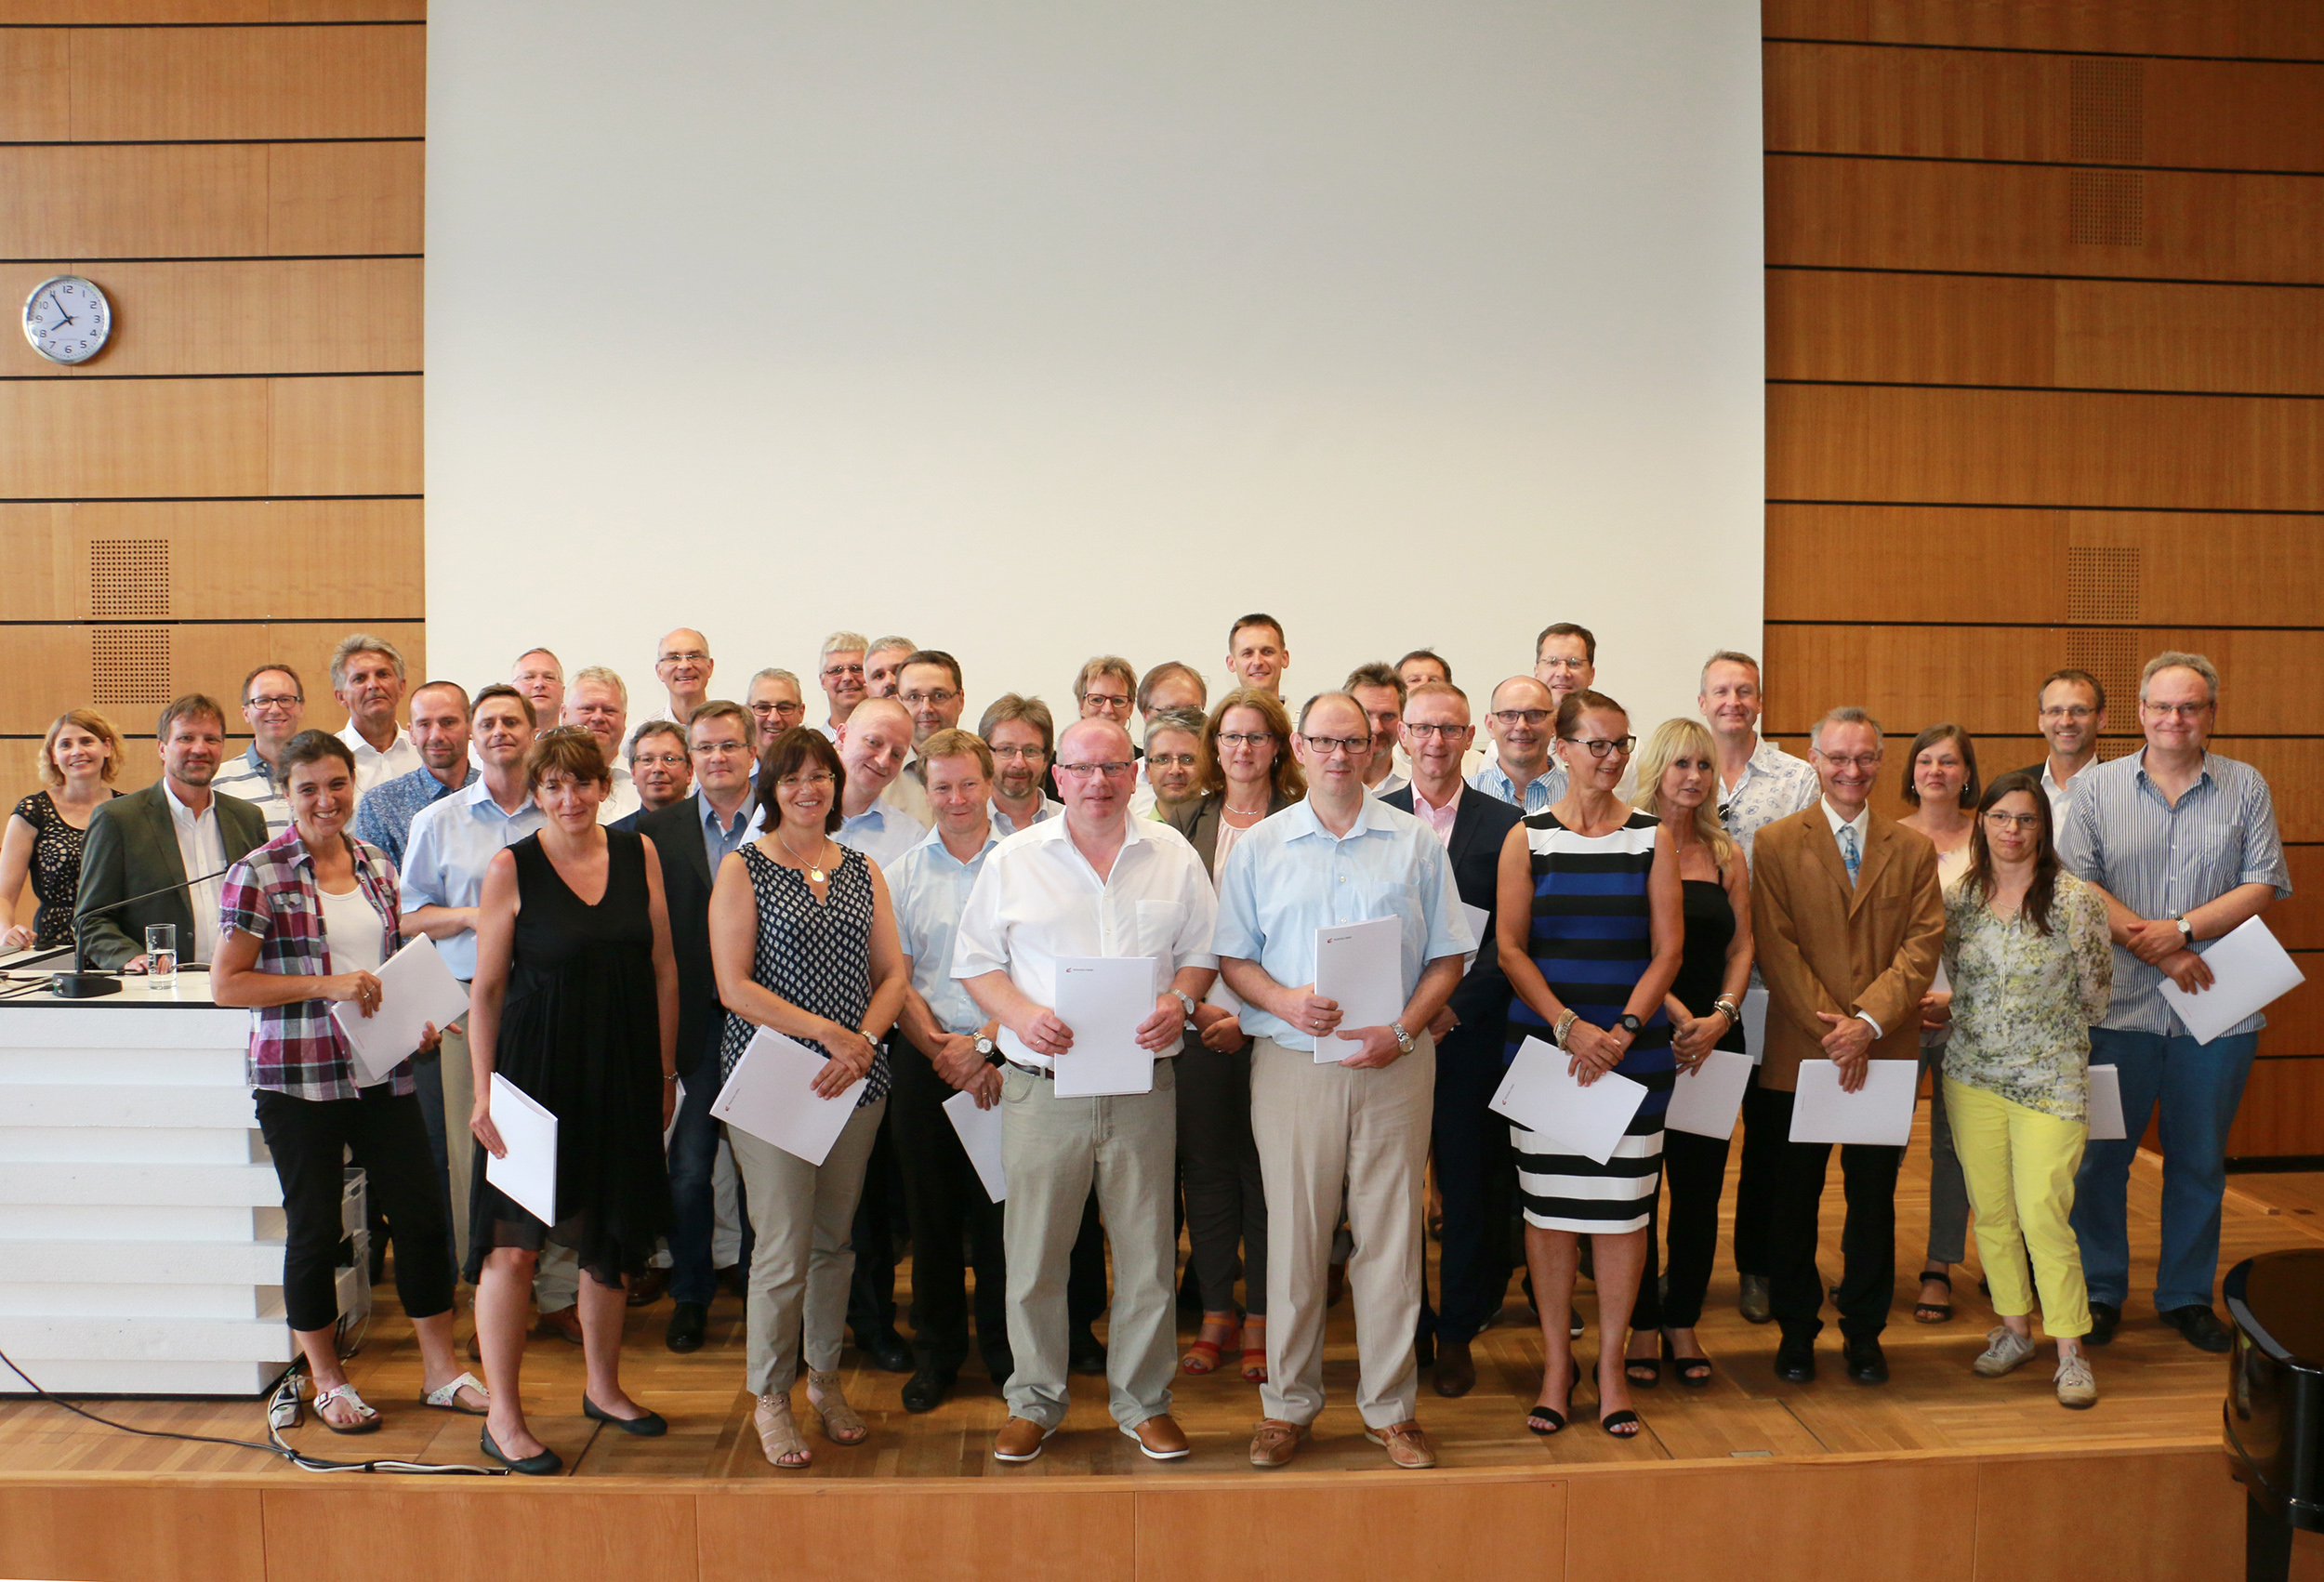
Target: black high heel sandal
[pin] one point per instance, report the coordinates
(1546, 1420)
(1693, 1372)
(1613, 1423)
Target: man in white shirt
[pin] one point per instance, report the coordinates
(1523, 724)
(540, 675)
(872, 744)
(1094, 882)
(367, 678)
(839, 671)
(883, 666)
(682, 663)
(1379, 691)
(2072, 716)
(1022, 736)
(598, 703)
(275, 706)
(930, 692)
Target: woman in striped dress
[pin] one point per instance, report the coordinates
(1591, 934)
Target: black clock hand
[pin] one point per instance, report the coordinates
(59, 308)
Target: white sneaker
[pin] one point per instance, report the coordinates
(2004, 1348)
(2077, 1388)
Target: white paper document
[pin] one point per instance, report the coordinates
(1707, 1099)
(2248, 968)
(415, 988)
(1360, 968)
(772, 1096)
(1479, 921)
(527, 1173)
(1539, 1095)
(1879, 1112)
(2105, 1104)
(980, 1138)
(1103, 998)
(1755, 1023)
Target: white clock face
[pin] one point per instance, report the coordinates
(67, 319)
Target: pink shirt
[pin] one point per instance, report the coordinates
(1438, 819)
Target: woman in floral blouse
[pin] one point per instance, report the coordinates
(2026, 949)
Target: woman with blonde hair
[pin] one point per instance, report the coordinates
(79, 759)
(1678, 783)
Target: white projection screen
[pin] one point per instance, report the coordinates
(1037, 331)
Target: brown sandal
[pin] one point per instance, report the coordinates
(778, 1434)
(840, 1425)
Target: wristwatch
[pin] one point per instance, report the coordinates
(1629, 1024)
(1188, 1001)
(2186, 930)
(1404, 1039)
(987, 1050)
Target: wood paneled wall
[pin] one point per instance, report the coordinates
(244, 178)
(2045, 360)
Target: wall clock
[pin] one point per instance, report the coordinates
(67, 319)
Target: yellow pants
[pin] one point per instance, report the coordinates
(2019, 1165)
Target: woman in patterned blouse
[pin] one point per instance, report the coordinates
(78, 763)
(2026, 949)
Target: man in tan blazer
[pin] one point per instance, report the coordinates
(1849, 921)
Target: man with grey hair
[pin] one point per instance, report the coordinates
(2182, 846)
(839, 671)
(598, 701)
(883, 666)
(367, 678)
(775, 701)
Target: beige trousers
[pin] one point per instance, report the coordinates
(804, 1215)
(1327, 1137)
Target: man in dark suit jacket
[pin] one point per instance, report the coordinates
(720, 813)
(140, 842)
(1474, 1168)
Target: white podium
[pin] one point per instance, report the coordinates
(141, 1221)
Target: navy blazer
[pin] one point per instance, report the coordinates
(676, 832)
(1480, 825)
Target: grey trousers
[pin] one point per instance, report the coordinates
(1330, 1136)
(1054, 1148)
(1226, 1200)
(804, 1215)
(1949, 1194)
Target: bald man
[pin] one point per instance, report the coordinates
(682, 661)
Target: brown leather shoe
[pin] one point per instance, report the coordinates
(1020, 1439)
(565, 1324)
(1160, 1438)
(1406, 1444)
(1276, 1442)
(1456, 1370)
(646, 1289)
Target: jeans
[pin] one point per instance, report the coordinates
(2195, 1087)
(693, 1153)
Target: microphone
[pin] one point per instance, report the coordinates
(78, 984)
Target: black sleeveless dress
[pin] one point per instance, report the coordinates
(1703, 965)
(581, 1033)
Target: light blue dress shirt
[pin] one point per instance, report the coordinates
(1545, 789)
(882, 832)
(719, 843)
(1050, 806)
(1289, 877)
(453, 842)
(928, 887)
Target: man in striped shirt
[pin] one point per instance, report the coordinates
(275, 702)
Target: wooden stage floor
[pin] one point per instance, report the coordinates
(2155, 1390)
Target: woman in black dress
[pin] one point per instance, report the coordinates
(78, 763)
(1678, 780)
(575, 1002)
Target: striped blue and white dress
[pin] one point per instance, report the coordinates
(1593, 939)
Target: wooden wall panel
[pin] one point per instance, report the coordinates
(2295, 1023)
(1756, 1528)
(471, 1533)
(2094, 335)
(96, 201)
(170, 83)
(2299, 922)
(2284, 1108)
(294, 316)
(2191, 1533)
(35, 86)
(1988, 105)
(2015, 219)
(2262, 28)
(345, 198)
(124, 1531)
(150, 13)
(56, 662)
(344, 436)
(1035, 1534)
(1453, 1528)
(2046, 448)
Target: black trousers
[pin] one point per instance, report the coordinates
(879, 1219)
(1868, 1244)
(310, 1139)
(947, 1206)
(1695, 1171)
(1477, 1178)
(1766, 1133)
(1217, 1164)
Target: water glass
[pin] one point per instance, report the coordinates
(161, 955)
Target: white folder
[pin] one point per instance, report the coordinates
(772, 1096)
(1880, 1111)
(1539, 1095)
(527, 1173)
(415, 988)
(980, 1138)
(1103, 998)
(1707, 1099)
(1360, 968)
(2249, 970)
(2105, 1104)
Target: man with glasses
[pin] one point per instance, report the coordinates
(440, 729)
(692, 837)
(1523, 724)
(682, 663)
(2072, 715)
(775, 702)
(1168, 685)
(1340, 1114)
(273, 704)
(839, 671)
(930, 690)
(1849, 921)
(598, 702)
(1565, 658)
(1257, 654)
(659, 766)
(1020, 734)
(2182, 846)
(1379, 691)
(883, 666)
(1094, 882)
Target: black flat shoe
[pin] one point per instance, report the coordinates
(650, 1426)
(539, 1465)
(1867, 1362)
(2103, 1319)
(688, 1322)
(888, 1350)
(1934, 1312)
(1795, 1361)
(926, 1390)
(2201, 1327)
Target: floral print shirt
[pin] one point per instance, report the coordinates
(2024, 1002)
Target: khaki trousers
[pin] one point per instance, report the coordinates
(805, 1259)
(1054, 1148)
(1330, 1136)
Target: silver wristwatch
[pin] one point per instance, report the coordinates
(1404, 1039)
(1188, 1001)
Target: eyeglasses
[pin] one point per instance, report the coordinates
(718, 749)
(843, 670)
(1104, 700)
(1112, 770)
(2184, 710)
(684, 656)
(1447, 731)
(669, 760)
(1866, 761)
(2067, 711)
(1562, 665)
(1535, 717)
(1030, 754)
(1171, 761)
(1326, 745)
(1599, 747)
(780, 710)
(936, 699)
(274, 700)
(1244, 738)
(2025, 822)
(803, 782)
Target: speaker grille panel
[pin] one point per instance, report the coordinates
(2108, 117)
(2108, 209)
(128, 579)
(2103, 583)
(130, 664)
(2113, 658)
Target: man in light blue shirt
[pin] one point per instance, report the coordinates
(871, 747)
(440, 730)
(1524, 723)
(2183, 847)
(1361, 1122)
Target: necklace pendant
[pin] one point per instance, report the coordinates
(817, 875)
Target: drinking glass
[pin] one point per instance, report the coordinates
(161, 955)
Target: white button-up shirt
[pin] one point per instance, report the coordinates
(453, 842)
(621, 798)
(371, 766)
(203, 851)
(929, 887)
(1038, 901)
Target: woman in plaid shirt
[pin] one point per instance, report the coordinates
(306, 920)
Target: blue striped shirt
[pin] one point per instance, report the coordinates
(2161, 861)
(384, 816)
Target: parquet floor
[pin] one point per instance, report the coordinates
(2152, 1386)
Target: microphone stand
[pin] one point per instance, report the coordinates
(81, 984)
